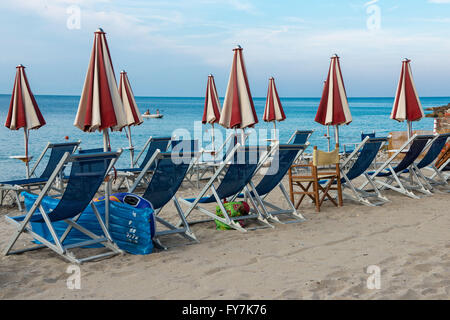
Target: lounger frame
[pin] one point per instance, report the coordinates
(57, 245)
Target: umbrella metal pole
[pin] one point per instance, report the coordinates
(212, 137)
(409, 129)
(336, 134)
(27, 164)
(275, 130)
(107, 185)
(130, 143)
(328, 137)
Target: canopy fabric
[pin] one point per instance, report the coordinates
(333, 107)
(273, 110)
(23, 109)
(131, 110)
(238, 108)
(211, 112)
(100, 104)
(407, 104)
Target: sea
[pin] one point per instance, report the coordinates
(182, 117)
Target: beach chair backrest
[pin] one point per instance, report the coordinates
(86, 176)
(285, 155)
(434, 150)
(322, 158)
(85, 151)
(366, 156)
(301, 137)
(167, 177)
(364, 135)
(240, 171)
(184, 146)
(415, 149)
(56, 153)
(161, 143)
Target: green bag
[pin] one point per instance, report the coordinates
(234, 209)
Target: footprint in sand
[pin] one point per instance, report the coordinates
(424, 267)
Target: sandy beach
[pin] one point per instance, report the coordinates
(325, 257)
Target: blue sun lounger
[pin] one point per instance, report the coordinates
(282, 157)
(300, 137)
(152, 144)
(239, 167)
(169, 171)
(202, 166)
(365, 153)
(57, 150)
(428, 161)
(388, 177)
(355, 144)
(87, 174)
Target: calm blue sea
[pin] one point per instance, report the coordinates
(181, 114)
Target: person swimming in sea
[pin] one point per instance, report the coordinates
(147, 112)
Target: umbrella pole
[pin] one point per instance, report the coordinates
(130, 143)
(409, 130)
(212, 138)
(328, 137)
(107, 185)
(27, 165)
(275, 130)
(336, 134)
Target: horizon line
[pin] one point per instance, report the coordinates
(201, 97)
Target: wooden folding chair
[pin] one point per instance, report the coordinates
(330, 177)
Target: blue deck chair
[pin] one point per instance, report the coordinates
(282, 157)
(428, 162)
(348, 150)
(87, 174)
(152, 145)
(300, 137)
(95, 150)
(57, 150)
(170, 169)
(387, 176)
(365, 153)
(203, 166)
(240, 165)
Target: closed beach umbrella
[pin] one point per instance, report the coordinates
(211, 112)
(273, 111)
(238, 111)
(100, 105)
(333, 108)
(132, 114)
(23, 110)
(407, 104)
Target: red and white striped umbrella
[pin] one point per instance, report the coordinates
(23, 109)
(333, 108)
(100, 105)
(211, 111)
(132, 114)
(407, 104)
(238, 110)
(274, 110)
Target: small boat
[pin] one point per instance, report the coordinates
(158, 116)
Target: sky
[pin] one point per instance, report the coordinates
(168, 48)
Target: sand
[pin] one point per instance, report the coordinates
(325, 257)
